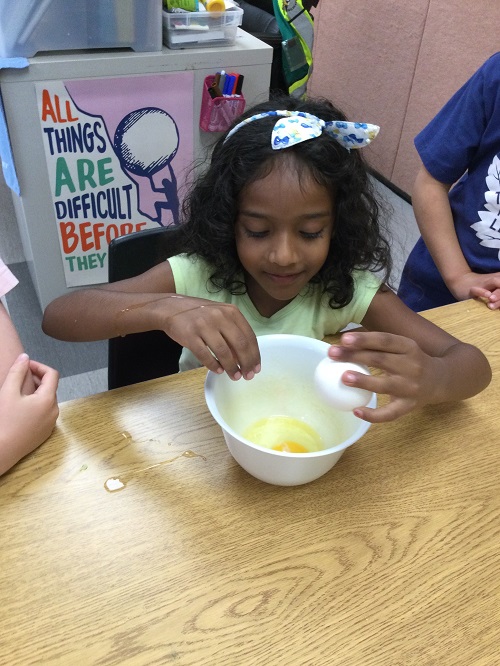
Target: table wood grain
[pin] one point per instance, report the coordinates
(392, 558)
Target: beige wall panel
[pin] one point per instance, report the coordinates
(458, 37)
(364, 61)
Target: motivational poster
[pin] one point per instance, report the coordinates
(118, 150)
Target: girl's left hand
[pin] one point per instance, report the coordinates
(408, 373)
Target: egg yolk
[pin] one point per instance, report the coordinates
(290, 447)
(284, 433)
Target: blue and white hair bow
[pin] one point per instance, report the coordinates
(293, 127)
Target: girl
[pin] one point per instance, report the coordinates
(282, 234)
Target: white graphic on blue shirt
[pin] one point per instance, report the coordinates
(488, 229)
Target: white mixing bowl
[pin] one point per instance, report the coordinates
(284, 387)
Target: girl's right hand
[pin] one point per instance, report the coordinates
(217, 334)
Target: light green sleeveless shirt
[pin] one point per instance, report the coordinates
(308, 314)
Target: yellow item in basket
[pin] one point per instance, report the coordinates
(214, 5)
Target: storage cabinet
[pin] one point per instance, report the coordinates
(83, 127)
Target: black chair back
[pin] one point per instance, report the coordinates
(141, 356)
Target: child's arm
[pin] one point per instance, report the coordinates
(149, 302)
(26, 420)
(435, 221)
(10, 349)
(420, 363)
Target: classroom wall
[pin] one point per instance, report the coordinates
(395, 64)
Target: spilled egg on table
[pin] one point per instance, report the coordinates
(284, 433)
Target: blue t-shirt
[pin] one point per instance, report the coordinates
(462, 143)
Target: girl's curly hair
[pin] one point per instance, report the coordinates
(210, 210)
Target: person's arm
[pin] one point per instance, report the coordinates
(420, 363)
(435, 222)
(217, 333)
(11, 344)
(26, 421)
(11, 347)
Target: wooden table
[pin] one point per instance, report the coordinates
(392, 558)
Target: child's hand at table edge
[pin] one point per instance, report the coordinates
(491, 297)
(483, 286)
(409, 376)
(470, 285)
(26, 421)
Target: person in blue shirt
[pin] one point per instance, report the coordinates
(456, 199)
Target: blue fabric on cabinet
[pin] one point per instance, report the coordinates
(9, 170)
